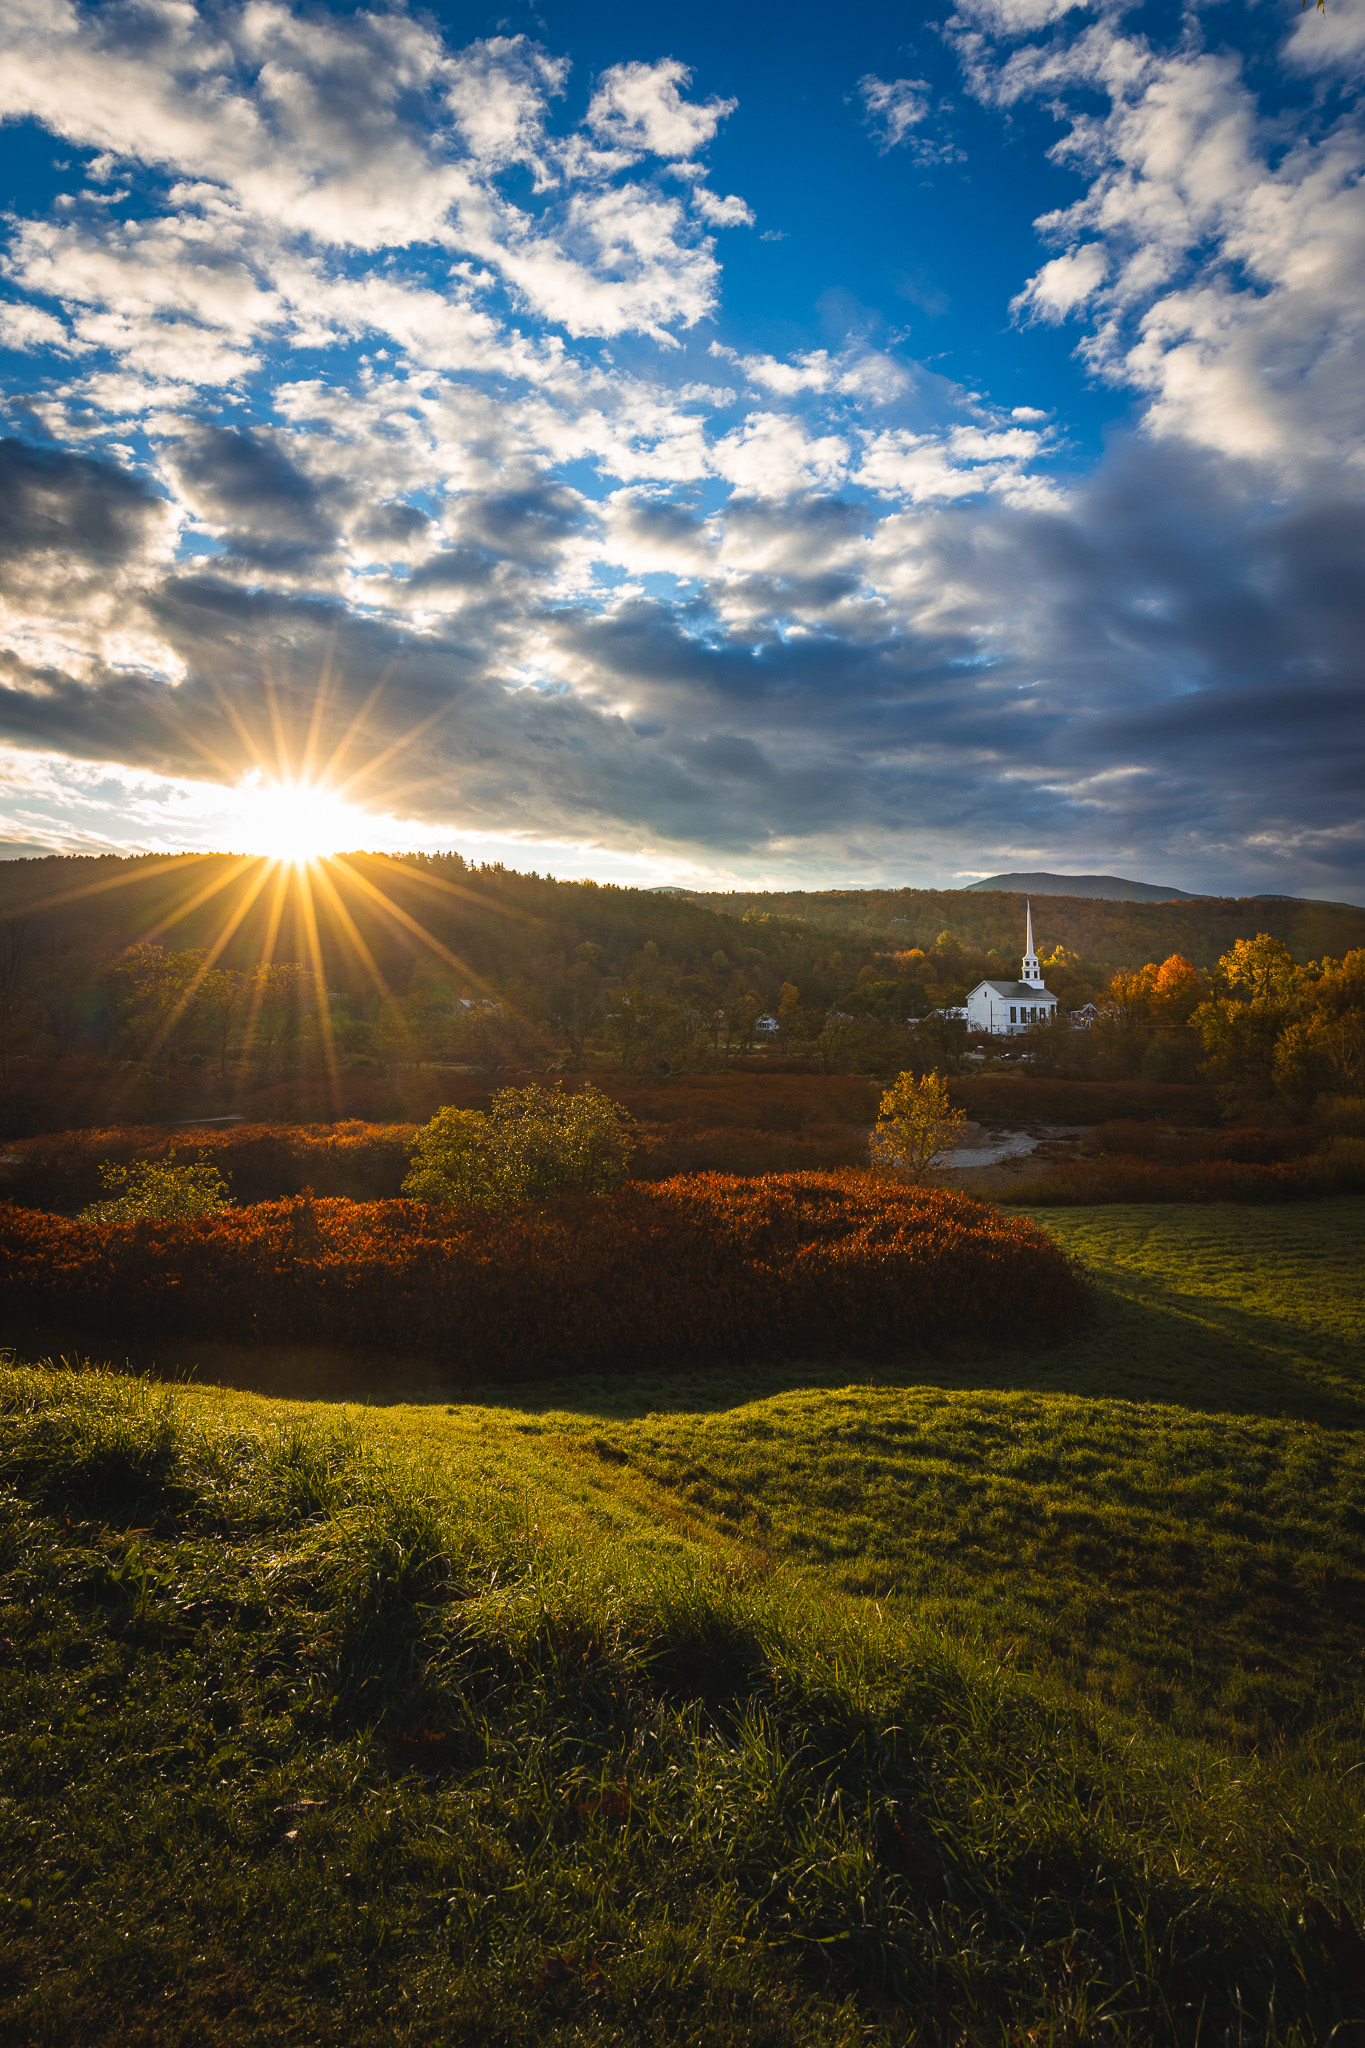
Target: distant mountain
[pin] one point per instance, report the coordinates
(1112, 888)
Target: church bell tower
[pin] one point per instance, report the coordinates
(1030, 972)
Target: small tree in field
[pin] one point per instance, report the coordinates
(157, 1191)
(916, 1125)
(532, 1142)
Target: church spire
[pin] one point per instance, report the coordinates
(1031, 973)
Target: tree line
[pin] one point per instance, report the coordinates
(208, 963)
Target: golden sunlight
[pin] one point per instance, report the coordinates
(289, 820)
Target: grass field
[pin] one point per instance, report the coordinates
(1006, 1701)
(1168, 1510)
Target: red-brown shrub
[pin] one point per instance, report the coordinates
(684, 1272)
(366, 1162)
(1149, 1180)
(751, 1101)
(1007, 1099)
(727, 1123)
(1244, 1146)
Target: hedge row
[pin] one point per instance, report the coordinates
(683, 1272)
(1339, 1170)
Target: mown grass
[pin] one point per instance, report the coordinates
(1167, 1511)
(738, 1709)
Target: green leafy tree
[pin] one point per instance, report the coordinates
(157, 1191)
(1239, 1041)
(14, 952)
(940, 1042)
(652, 1033)
(916, 1126)
(157, 991)
(532, 1143)
(281, 1003)
(219, 1003)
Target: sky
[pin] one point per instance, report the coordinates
(794, 446)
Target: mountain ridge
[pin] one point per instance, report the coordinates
(1096, 888)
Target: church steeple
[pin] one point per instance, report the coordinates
(1030, 972)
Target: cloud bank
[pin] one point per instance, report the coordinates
(374, 405)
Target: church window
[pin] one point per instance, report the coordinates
(1013, 1018)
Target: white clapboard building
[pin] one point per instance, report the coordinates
(1003, 1007)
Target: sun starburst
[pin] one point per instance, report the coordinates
(290, 819)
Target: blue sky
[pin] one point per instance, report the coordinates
(703, 443)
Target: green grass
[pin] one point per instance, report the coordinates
(1010, 1703)
(1167, 1512)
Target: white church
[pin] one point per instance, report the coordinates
(1003, 1007)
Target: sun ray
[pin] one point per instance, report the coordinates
(304, 891)
(207, 965)
(277, 731)
(170, 860)
(272, 932)
(411, 924)
(397, 746)
(449, 888)
(210, 889)
(338, 752)
(356, 937)
(320, 699)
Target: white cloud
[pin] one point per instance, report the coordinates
(1217, 254)
(640, 107)
(1063, 284)
(904, 465)
(856, 372)
(772, 456)
(1016, 17)
(729, 212)
(1330, 41)
(353, 133)
(1004, 444)
(894, 106)
(497, 91)
(29, 327)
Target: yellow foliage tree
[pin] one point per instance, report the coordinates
(916, 1125)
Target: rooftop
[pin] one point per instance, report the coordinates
(1017, 991)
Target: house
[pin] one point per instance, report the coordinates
(1006, 1007)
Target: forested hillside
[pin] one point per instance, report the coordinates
(149, 988)
(1113, 934)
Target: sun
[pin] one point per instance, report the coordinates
(290, 820)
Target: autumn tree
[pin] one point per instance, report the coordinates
(1177, 990)
(1241, 1027)
(916, 1126)
(531, 1143)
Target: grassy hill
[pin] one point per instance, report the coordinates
(1015, 1702)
